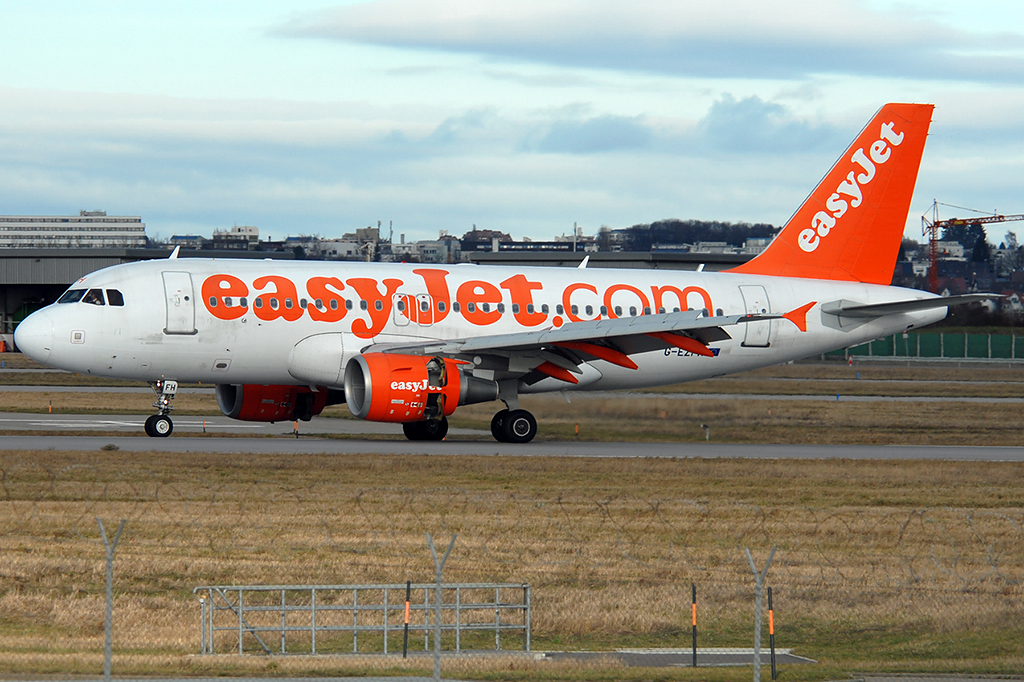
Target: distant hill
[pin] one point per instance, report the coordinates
(672, 231)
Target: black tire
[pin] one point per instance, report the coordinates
(430, 429)
(519, 427)
(498, 426)
(162, 426)
(149, 426)
(435, 429)
(413, 430)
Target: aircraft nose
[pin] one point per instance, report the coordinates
(34, 336)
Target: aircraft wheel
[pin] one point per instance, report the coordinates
(520, 427)
(498, 426)
(430, 429)
(435, 429)
(159, 426)
(413, 430)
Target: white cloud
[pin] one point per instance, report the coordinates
(727, 38)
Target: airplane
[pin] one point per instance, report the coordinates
(410, 343)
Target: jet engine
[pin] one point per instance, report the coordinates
(386, 387)
(255, 403)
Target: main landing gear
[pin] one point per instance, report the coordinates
(159, 425)
(513, 426)
(428, 429)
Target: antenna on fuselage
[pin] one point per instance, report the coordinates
(583, 263)
(174, 254)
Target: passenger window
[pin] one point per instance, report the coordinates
(378, 305)
(334, 304)
(319, 304)
(661, 310)
(114, 297)
(213, 302)
(456, 307)
(243, 302)
(604, 310)
(288, 303)
(618, 311)
(632, 311)
(424, 306)
(273, 303)
(348, 305)
(486, 307)
(94, 296)
(575, 309)
(471, 307)
(559, 309)
(362, 305)
(401, 306)
(590, 310)
(441, 306)
(258, 303)
(647, 310)
(544, 308)
(72, 296)
(515, 308)
(529, 308)
(501, 308)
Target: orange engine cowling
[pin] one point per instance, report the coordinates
(387, 387)
(255, 403)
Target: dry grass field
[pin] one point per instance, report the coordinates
(911, 566)
(908, 566)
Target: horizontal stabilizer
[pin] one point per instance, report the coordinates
(845, 308)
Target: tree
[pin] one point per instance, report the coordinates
(966, 234)
(981, 252)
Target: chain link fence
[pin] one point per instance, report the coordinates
(867, 575)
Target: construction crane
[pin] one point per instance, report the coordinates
(930, 228)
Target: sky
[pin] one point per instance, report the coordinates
(317, 118)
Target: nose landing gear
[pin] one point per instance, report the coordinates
(159, 425)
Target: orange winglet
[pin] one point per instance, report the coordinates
(684, 343)
(556, 372)
(799, 316)
(604, 352)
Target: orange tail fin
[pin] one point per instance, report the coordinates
(851, 225)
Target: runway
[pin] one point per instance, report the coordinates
(350, 436)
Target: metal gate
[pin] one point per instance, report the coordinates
(181, 311)
(312, 619)
(755, 299)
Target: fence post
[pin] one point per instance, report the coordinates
(405, 638)
(527, 617)
(202, 625)
(438, 579)
(108, 626)
(693, 588)
(771, 631)
(759, 577)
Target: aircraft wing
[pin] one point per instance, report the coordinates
(846, 308)
(556, 351)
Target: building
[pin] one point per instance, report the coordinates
(242, 237)
(89, 229)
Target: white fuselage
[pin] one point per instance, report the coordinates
(238, 321)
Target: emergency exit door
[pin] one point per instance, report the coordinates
(755, 299)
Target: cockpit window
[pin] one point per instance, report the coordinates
(72, 296)
(114, 297)
(93, 296)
